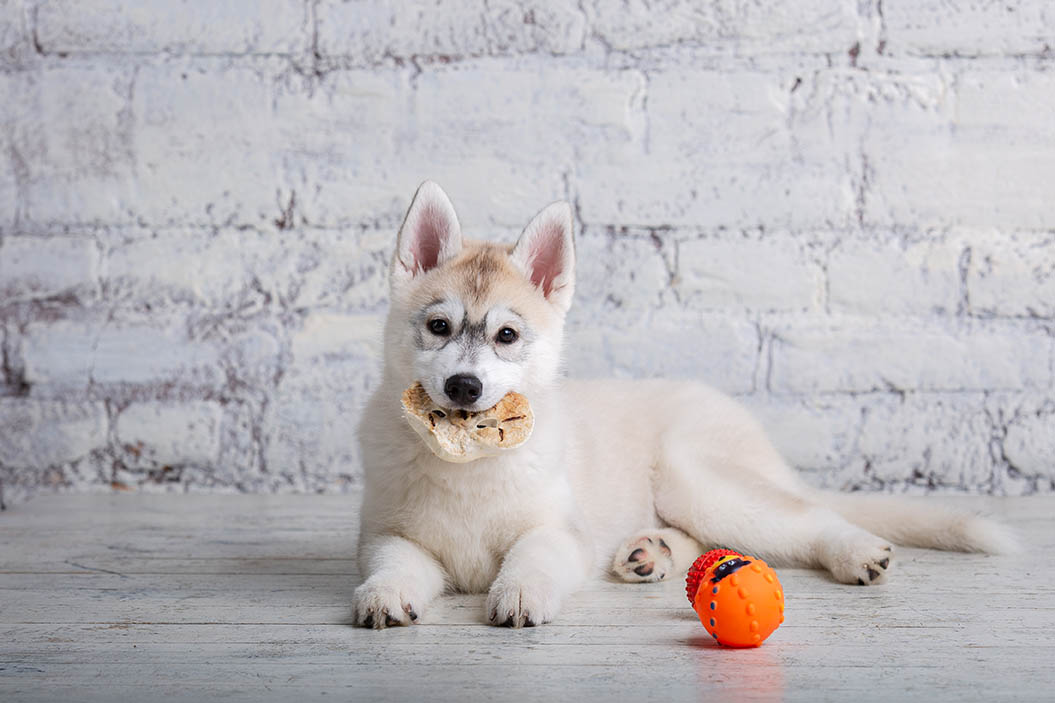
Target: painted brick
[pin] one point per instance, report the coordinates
(311, 442)
(170, 433)
(939, 28)
(572, 111)
(239, 464)
(12, 167)
(419, 132)
(766, 26)
(720, 350)
(38, 433)
(244, 179)
(863, 354)
(338, 178)
(927, 441)
(1027, 444)
(80, 168)
(154, 26)
(1012, 274)
(815, 434)
(327, 336)
(175, 266)
(912, 443)
(372, 31)
(619, 275)
(691, 165)
(976, 151)
(310, 426)
(14, 39)
(889, 275)
(253, 353)
(33, 267)
(73, 354)
(733, 271)
(332, 268)
(206, 144)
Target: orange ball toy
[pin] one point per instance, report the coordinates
(738, 598)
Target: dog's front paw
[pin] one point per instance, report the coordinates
(644, 557)
(864, 561)
(521, 604)
(379, 605)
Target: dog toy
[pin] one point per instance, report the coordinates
(738, 598)
(460, 436)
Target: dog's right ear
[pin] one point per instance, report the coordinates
(430, 234)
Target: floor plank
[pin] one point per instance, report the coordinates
(139, 597)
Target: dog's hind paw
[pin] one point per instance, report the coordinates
(643, 558)
(864, 562)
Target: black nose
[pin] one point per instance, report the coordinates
(463, 388)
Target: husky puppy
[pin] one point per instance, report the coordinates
(636, 478)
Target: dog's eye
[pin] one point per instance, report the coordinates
(507, 335)
(439, 327)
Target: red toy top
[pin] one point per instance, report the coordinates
(699, 567)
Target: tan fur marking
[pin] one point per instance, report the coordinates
(483, 276)
(479, 270)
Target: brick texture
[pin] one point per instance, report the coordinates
(837, 210)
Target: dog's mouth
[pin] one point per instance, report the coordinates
(458, 410)
(460, 435)
(463, 418)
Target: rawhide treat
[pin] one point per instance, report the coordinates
(459, 435)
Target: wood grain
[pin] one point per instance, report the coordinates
(142, 597)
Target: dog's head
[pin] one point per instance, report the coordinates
(471, 320)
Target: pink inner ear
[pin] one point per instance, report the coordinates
(547, 257)
(428, 239)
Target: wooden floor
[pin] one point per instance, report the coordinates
(136, 597)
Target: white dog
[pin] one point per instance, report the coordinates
(635, 477)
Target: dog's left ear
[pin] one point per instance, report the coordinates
(545, 253)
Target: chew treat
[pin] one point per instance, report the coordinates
(459, 435)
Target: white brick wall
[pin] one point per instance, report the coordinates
(839, 210)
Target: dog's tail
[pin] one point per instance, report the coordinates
(922, 522)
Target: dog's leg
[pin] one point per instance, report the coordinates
(655, 554)
(402, 579)
(760, 518)
(544, 566)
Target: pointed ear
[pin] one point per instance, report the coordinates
(430, 234)
(545, 253)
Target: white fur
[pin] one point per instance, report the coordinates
(667, 468)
